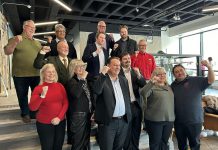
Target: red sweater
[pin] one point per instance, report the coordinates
(145, 62)
(55, 103)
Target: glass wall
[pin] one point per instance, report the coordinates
(191, 44)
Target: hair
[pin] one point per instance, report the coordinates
(101, 22)
(72, 66)
(26, 22)
(42, 71)
(111, 58)
(98, 33)
(142, 40)
(124, 26)
(123, 54)
(59, 26)
(174, 67)
(157, 70)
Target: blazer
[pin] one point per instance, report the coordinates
(78, 99)
(93, 64)
(136, 84)
(105, 102)
(130, 48)
(53, 45)
(62, 71)
(109, 41)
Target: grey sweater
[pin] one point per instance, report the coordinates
(159, 102)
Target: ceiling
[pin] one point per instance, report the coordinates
(86, 14)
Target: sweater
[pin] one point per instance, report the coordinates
(55, 103)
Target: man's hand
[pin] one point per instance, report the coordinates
(105, 70)
(115, 46)
(137, 71)
(205, 63)
(18, 39)
(98, 50)
(46, 49)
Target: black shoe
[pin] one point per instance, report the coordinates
(26, 119)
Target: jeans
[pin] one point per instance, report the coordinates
(22, 85)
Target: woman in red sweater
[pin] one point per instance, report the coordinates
(50, 99)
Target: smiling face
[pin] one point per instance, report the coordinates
(79, 69)
(114, 66)
(179, 73)
(126, 61)
(50, 74)
(29, 28)
(142, 46)
(101, 27)
(100, 39)
(63, 48)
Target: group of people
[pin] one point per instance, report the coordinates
(109, 86)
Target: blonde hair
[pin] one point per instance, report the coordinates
(157, 71)
(72, 66)
(42, 71)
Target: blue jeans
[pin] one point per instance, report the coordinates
(22, 85)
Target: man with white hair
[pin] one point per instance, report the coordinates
(60, 32)
(109, 40)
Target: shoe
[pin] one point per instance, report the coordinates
(26, 119)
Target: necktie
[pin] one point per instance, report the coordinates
(65, 62)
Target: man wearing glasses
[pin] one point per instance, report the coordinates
(24, 49)
(60, 32)
(109, 40)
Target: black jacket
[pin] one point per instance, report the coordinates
(130, 48)
(105, 103)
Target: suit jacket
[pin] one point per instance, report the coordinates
(93, 64)
(130, 48)
(109, 41)
(105, 103)
(53, 45)
(78, 99)
(62, 71)
(136, 84)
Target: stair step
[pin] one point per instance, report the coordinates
(7, 115)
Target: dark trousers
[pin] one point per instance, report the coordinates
(188, 132)
(159, 133)
(112, 136)
(80, 128)
(51, 136)
(22, 85)
(134, 130)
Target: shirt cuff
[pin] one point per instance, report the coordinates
(94, 54)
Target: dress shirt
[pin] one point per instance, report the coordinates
(120, 104)
(62, 60)
(57, 40)
(100, 56)
(127, 74)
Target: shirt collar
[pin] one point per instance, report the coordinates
(98, 46)
(57, 40)
(61, 58)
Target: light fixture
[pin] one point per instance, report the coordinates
(46, 23)
(42, 41)
(63, 5)
(176, 17)
(146, 25)
(44, 33)
(210, 8)
(5, 3)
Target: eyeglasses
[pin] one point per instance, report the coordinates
(102, 26)
(34, 28)
(161, 74)
(142, 45)
(60, 31)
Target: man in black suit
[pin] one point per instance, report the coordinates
(109, 40)
(112, 112)
(124, 44)
(60, 33)
(135, 81)
(96, 57)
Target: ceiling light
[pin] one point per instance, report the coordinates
(46, 23)
(176, 17)
(210, 8)
(146, 25)
(42, 41)
(63, 5)
(43, 33)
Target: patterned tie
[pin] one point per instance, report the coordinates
(86, 89)
(65, 62)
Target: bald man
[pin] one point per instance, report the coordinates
(109, 40)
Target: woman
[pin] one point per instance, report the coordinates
(50, 99)
(80, 105)
(159, 111)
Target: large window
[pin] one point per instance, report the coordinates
(191, 44)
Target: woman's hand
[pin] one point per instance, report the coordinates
(55, 121)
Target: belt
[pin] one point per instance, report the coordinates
(119, 117)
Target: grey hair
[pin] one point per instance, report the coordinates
(72, 66)
(26, 22)
(42, 71)
(59, 26)
(157, 70)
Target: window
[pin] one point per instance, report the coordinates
(191, 44)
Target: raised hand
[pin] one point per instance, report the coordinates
(44, 91)
(105, 70)
(46, 49)
(18, 38)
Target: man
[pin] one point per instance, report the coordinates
(61, 63)
(109, 40)
(125, 44)
(112, 111)
(188, 105)
(96, 57)
(60, 33)
(135, 81)
(144, 61)
(24, 49)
